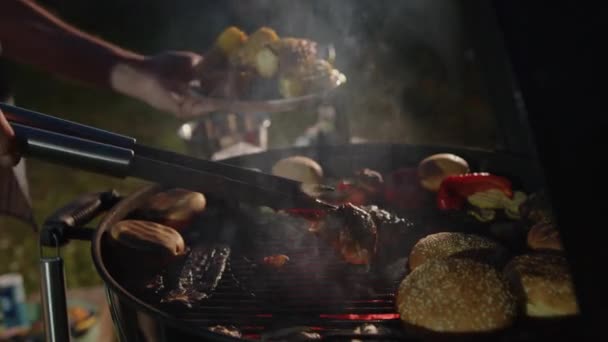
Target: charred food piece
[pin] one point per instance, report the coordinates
(352, 232)
(198, 276)
(545, 283)
(396, 236)
(456, 296)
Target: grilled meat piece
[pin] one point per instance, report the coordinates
(396, 235)
(194, 279)
(352, 232)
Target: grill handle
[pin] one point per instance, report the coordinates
(68, 222)
(50, 123)
(73, 152)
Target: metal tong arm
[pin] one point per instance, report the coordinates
(50, 123)
(56, 125)
(73, 152)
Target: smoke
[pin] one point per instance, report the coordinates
(404, 59)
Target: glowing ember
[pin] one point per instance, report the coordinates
(362, 317)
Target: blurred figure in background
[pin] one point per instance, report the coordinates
(31, 35)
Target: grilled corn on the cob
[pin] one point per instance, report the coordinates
(315, 77)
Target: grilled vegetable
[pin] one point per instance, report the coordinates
(229, 41)
(245, 55)
(145, 236)
(434, 169)
(455, 190)
(286, 56)
(198, 277)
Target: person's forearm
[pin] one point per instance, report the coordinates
(31, 35)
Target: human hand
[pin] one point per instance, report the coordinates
(8, 157)
(163, 81)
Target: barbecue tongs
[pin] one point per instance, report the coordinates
(88, 148)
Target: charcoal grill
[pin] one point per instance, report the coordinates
(254, 314)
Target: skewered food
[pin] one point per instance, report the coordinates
(544, 236)
(442, 245)
(454, 295)
(545, 283)
(352, 232)
(299, 168)
(434, 169)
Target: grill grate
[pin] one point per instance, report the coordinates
(256, 311)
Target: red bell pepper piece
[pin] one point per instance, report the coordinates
(454, 190)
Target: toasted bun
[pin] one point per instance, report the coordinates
(434, 169)
(545, 283)
(299, 168)
(454, 295)
(442, 245)
(544, 236)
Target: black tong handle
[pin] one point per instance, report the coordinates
(73, 152)
(50, 123)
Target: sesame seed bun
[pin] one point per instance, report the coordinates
(545, 284)
(455, 295)
(446, 244)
